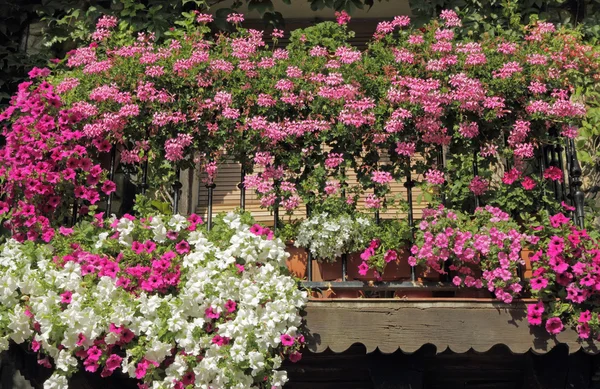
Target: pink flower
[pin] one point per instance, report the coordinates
(204, 18)
(182, 247)
(149, 246)
(435, 177)
(511, 176)
(451, 18)
(295, 357)
(230, 306)
(65, 231)
(372, 202)
(94, 353)
(66, 297)
(584, 330)
(478, 186)
(538, 283)
(141, 369)
(334, 160)
(211, 313)
(126, 335)
(558, 220)
(553, 173)
(567, 207)
(585, 316)
(363, 268)
(220, 340)
(406, 149)
(528, 183)
(235, 18)
(287, 340)
(390, 255)
(381, 177)
(256, 229)
(342, 18)
(113, 362)
(554, 325)
(108, 187)
(534, 313)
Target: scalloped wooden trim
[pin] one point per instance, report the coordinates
(456, 324)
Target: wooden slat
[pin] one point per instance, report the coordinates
(226, 197)
(454, 324)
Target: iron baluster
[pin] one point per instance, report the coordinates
(563, 191)
(276, 207)
(111, 177)
(177, 185)
(475, 174)
(344, 267)
(554, 162)
(440, 163)
(145, 176)
(309, 255)
(211, 187)
(409, 184)
(578, 195)
(242, 188)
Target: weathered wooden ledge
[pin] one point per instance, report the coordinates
(455, 324)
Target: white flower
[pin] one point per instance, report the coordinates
(178, 222)
(65, 361)
(267, 305)
(101, 238)
(56, 381)
(158, 351)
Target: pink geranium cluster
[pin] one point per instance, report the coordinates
(566, 266)
(478, 251)
(202, 100)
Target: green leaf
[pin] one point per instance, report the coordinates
(261, 6)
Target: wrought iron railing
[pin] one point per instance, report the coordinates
(569, 189)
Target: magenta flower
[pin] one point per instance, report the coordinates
(256, 229)
(182, 247)
(220, 340)
(287, 340)
(230, 306)
(478, 186)
(295, 357)
(211, 313)
(390, 255)
(66, 296)
(554, 325)
(538, 283)
(363, 268)
(94, 353)
(553, 173)
(113, 362)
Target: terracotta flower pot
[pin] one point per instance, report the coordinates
(394, 271)
(297, 261)
(527, 269)
(473, 293)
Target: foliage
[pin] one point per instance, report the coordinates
(389, 241)
(482, 250)
(328, 236)
(565, 273)
(311, 125)
(68, 23)
(157, 298)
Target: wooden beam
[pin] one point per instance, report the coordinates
(452, 324)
